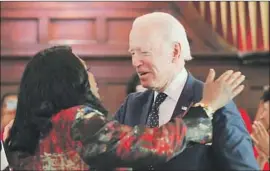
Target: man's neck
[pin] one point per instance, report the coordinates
(167, 84)
(169, 81)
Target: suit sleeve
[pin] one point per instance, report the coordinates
(120, 114)
(101, 140)
(232, 144)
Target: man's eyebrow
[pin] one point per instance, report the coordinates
(132, 49)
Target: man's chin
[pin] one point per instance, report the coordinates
(146, 85)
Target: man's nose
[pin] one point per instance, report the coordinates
(136, 61)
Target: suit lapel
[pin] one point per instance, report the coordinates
(147, 107)
(186, 97)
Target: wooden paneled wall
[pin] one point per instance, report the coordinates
(93, 28)
(96, 29)
(112, 78)
(98, 32)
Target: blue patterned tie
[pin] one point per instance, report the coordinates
(153, 120)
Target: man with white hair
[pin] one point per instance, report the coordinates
(159, 48)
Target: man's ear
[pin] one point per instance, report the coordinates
(176, 52)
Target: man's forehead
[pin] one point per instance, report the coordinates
(142, 32)
(142, 41)
(140, 45)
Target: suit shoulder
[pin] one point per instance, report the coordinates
(139, 95)
(198, 82)
(196, 88)
(229, 114)
(137, 98)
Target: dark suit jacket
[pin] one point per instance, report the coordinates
(231, 148)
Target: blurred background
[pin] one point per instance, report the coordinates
(222, 35)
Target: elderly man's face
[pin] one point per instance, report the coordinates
(151, 57)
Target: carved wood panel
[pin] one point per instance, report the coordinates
(19, 31)
(82, 29)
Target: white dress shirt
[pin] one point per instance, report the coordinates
(173, 92)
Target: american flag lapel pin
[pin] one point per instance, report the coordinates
(184, 108)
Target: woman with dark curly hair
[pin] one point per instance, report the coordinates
(60, 123)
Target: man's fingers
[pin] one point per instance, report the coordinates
(225, 75)
(238, 81)
(211, 76)
(237, 90)
(233, 77)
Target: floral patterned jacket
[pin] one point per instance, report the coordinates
(82, 136)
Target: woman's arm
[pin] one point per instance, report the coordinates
(110, 144)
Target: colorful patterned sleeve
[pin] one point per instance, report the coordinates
(109, 144)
